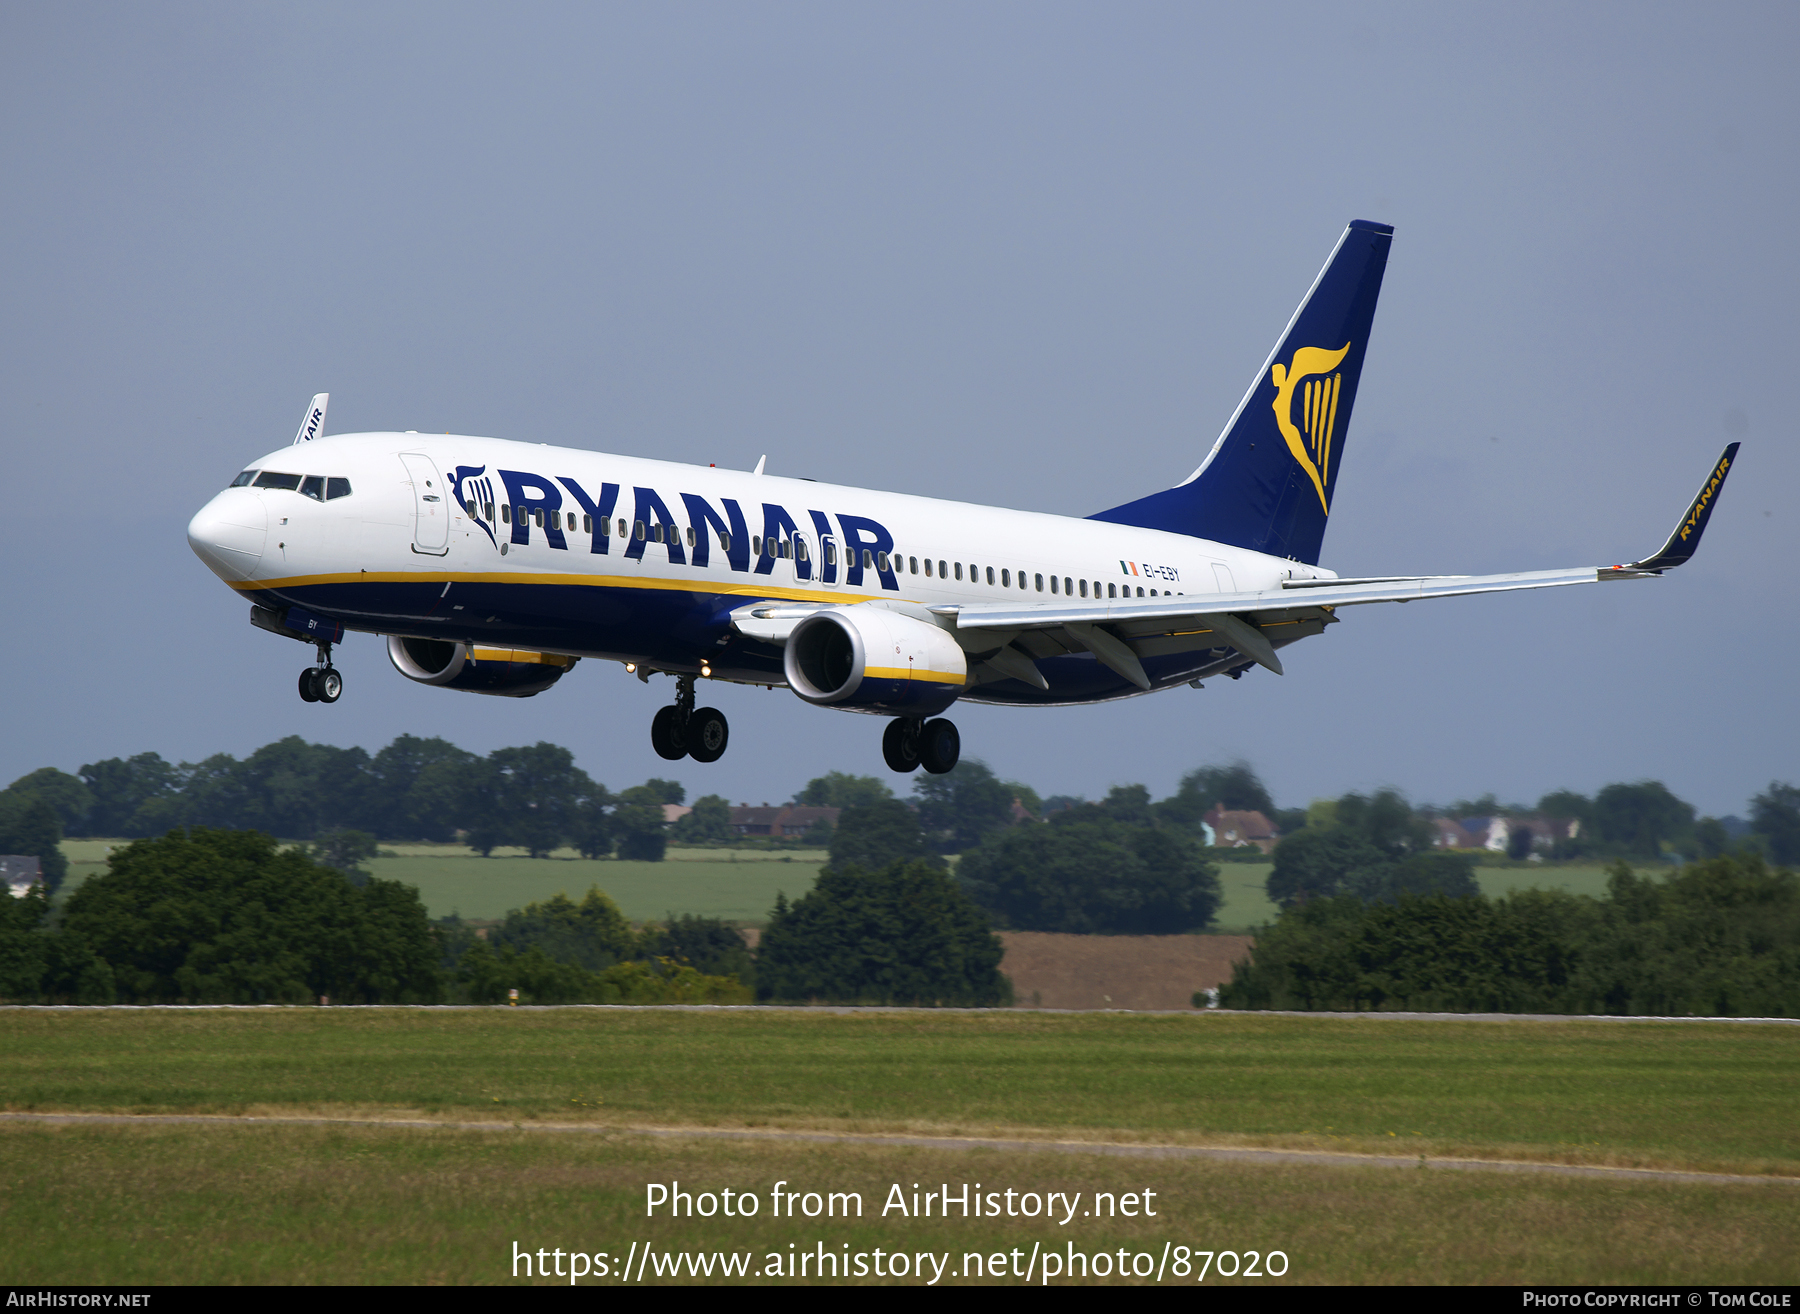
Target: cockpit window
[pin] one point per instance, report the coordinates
(269, 479)
(335, 487)
(314, 487)
(243, 479)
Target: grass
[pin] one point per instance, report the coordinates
(1700, 1096)
(737, 885)
(294, 1205)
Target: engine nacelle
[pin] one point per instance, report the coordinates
(505, 672)
(869, 659)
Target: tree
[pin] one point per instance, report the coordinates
(962, 805)
(1775, 815)
(62, 791)
(1386, 820)
(1566, 805)
(904, 935)
(659, 790)
(131, 798)
(1235, 787)
(1091, 872)
(707, 944)
(875, 836)
(1637, 818)
(708, 823)
(591, 828)
(643, 835)
(528, 799)
(345, 851)
(417, 788)
(30, 826)
(1323, 862)
(592, 934)
(214, 916)
(837, 789)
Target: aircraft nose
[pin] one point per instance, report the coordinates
(228, 533)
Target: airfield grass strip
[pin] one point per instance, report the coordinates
(293, 1205)
(1686, 1096)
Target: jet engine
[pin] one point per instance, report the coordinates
(504, 672)
(870, 659)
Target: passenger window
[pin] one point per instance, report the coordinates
(724, 541)
(868, 559)
(787, 549)
(800, 553)
(1068, 586)
(927, 566)
(623, 531)
(830, 553)
(913, 562)
(1153, 593)
(587, 524)
(1112, 590)
(571, 522)
(637, 528)
(506, 513)
(883, 562)
(943, 569)
(1084, 588)
(242, 479)
(314, 487)
(658, 531)
(269, 479)
(1053, 583)
(1040, 583)
(959, 570)
(537, 517)
(1006, 579)
(690, 536)
(1140, 593)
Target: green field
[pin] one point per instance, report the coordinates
(356, 1205)
(737, 884)
(274, 1204)
(1702, 1095)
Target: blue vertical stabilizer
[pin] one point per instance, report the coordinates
(1267, 483)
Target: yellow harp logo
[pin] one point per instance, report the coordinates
(1311, 442)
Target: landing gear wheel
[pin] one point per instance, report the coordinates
(939, 746)
(707, 735)
(328, 685)
(308, 691)
(900, 744)
(665, 734)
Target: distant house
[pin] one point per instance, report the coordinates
(1239, 830)
(1448, 834)
(1495, 833)
(785, 820)
(674, 812)
(20, 872)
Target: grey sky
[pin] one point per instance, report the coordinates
(1023, 254)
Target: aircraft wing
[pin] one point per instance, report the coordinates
(1120, 632)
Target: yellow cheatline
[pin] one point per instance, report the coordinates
(747, 591)
(907, 673)
(521, 655)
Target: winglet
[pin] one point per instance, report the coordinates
(1687, 533)
(314, 423)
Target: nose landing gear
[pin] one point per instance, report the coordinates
(322, 683)
(681, 731)
(910, 743)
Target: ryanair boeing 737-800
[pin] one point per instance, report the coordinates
(493, 567)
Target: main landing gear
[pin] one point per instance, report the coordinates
(322, 683)
(910, 742)
(681, 731)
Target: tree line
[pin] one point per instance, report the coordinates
(1719, 937)
(233, 917)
